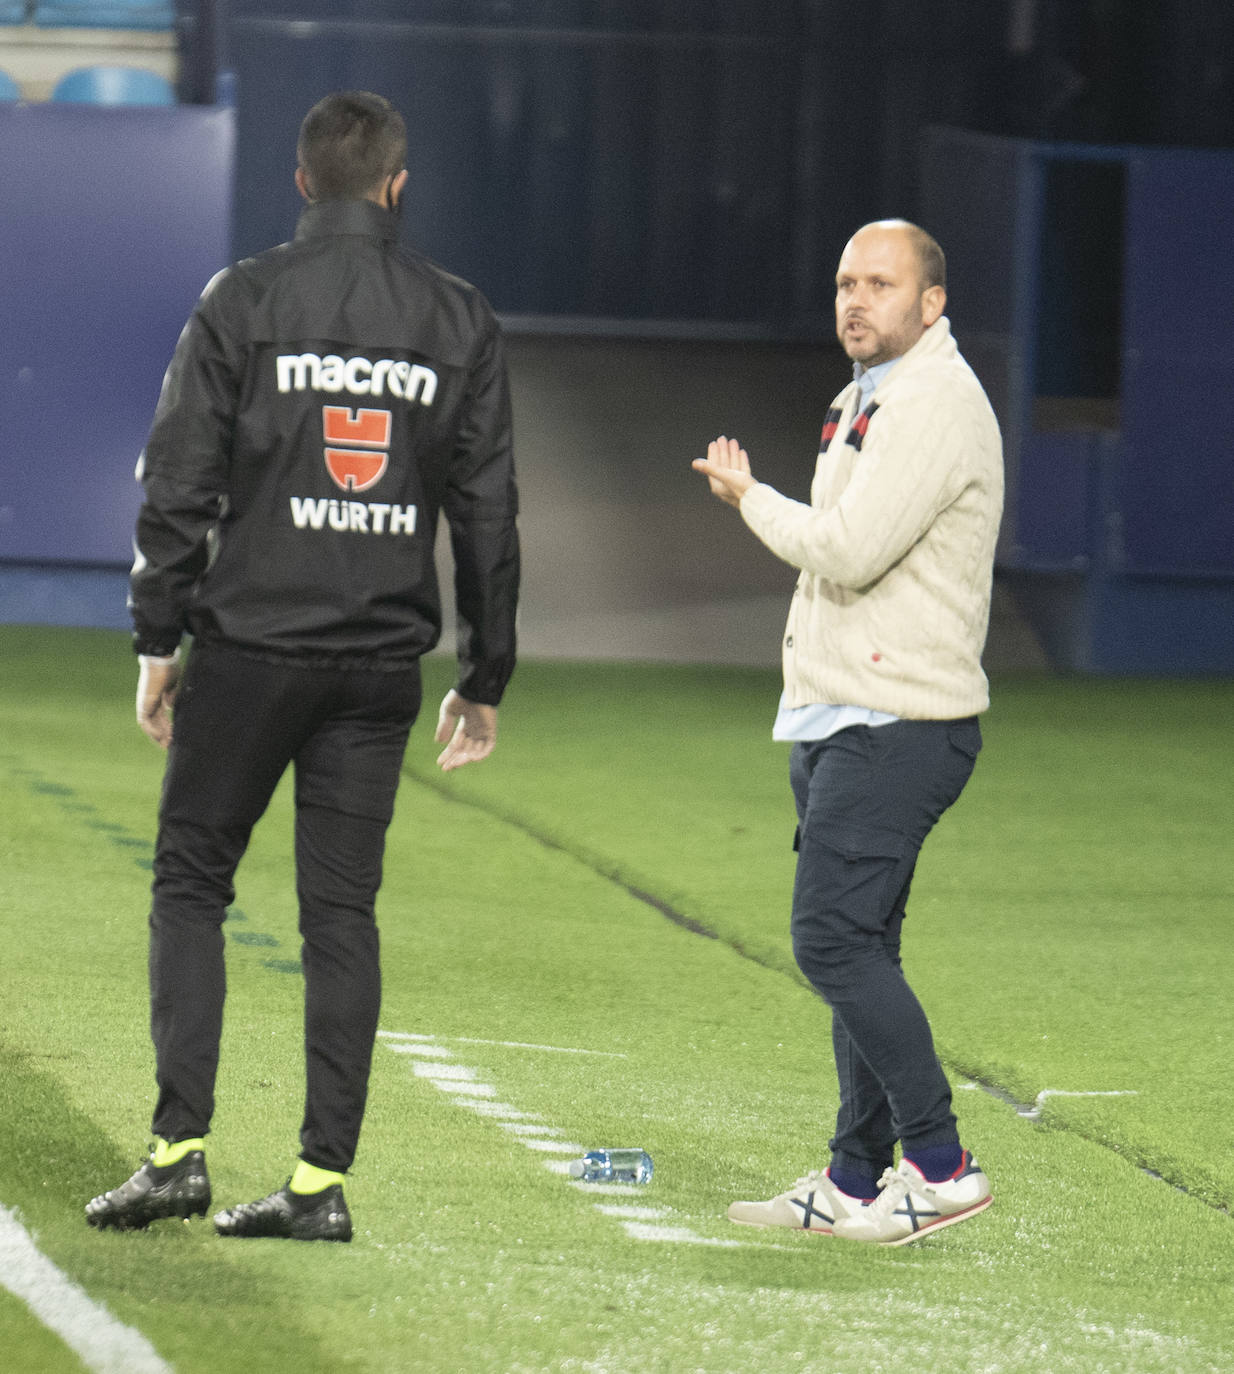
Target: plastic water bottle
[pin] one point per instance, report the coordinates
(613, 1166)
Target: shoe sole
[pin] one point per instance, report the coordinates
(937, 1225)
(280, 1235)
(273, 1232)
(181, 1212)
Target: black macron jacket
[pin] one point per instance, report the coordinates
(326, 401)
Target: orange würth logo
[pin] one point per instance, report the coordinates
(366, 434)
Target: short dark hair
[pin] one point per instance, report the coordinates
(930, 257)
(349, 143)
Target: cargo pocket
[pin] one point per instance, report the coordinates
(848, 875)
(965, 736)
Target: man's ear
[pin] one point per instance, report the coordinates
(397, 187)
(933, 302)
(302, 184)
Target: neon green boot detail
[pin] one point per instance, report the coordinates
(165, 1154)
(308, 1178)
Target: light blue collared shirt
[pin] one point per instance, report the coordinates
(817, 721)
(867, 378)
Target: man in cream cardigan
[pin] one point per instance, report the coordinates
(882, 687)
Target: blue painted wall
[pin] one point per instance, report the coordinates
(111, 223)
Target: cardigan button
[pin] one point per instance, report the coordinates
(877, 658)
(788, 643)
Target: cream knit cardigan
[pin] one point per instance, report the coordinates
(896, 548)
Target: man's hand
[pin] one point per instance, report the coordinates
(727, 466)
(156, 694)
(468, 729)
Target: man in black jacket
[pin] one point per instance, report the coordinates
(327, 399)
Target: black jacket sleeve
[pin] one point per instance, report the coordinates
(183, 471)
(481, 504)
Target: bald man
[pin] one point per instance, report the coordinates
(883, 685)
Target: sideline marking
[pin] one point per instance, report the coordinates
(1031, 1111)
(500, 1109)
(631, 1212)
(429, 1040)
(442, 1073)
(640, 1222)
(551, 1049)
(423, 1051)
(102, 1342)
(450, 1085)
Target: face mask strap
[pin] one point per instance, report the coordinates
(394, 206)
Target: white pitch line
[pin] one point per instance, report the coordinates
(449, 1085)
(103, 1343)
(502, 1044)
(549, 1049)
(501, 1109)
(459, 1080)
(422, 1050)
(629, 1212)
(459, 1073)
(1033, 1112)
(603, 1189)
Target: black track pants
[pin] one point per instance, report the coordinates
(239, 722)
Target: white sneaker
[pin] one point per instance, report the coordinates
(909, 1207)
(813, 1203)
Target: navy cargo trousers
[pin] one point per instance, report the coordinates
(239, 723)
(866, 799)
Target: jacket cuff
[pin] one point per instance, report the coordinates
(147, 646)
(757, 504)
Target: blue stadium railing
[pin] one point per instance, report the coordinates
(100, 14)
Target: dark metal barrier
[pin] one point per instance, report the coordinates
(614, 174)
(1101, 282)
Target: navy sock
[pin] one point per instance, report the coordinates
(937, 1162)
(853, 1183)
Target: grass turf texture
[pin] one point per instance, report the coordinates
(1064, 935)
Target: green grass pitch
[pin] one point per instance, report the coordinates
(585, 943)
